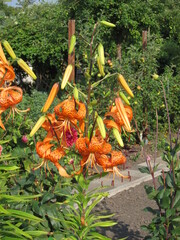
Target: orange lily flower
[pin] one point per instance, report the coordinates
(52, 128)
(110, 162)
(6, 71)
(9, 97)
(2, 55)
(44, 150)
(55, 131)
(89, 149)
(68, 116)
(121, 115)
(97, 151)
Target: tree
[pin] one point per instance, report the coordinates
(39, 34)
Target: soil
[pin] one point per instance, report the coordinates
(128, 205)
(136, 154)
(129, 215)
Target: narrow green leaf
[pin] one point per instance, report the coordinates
(106, 216)
(177, 199)
(19, 231)
(2, 210)
(24, 215)
(169, 180)
(18, 198)
(95, 202)
(103, 224)
(144, 170)
(8, 168)
(96, 235)
(151, 210)
(37, 233)
(176, 219)
(47, 196)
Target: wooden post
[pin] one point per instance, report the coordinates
(119, 55)
(71, 57)
(144, 39)
(145, 123)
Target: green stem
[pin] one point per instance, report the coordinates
(78, 90)
(89, 84)
(94, 124)
(168, 117)
(155, 153)
(107, 76)
(54, 131)
(3, 77)
(87, 111)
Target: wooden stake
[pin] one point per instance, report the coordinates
(144, 39)
(71, 57)
(119, 55)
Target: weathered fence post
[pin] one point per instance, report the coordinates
(71, 57)
(144, 39)
(145, 127)
(119, 55)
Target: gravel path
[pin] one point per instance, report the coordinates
(128, 209)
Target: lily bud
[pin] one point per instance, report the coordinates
(37, 125)
(108, 24)
(101, 53)
(51, 97)
(26, 68)
(124, 98)
(101, 126)
(155, 76)
(118, 137)
(9, 49)
(66, 76)
(2, 56)
(124, 84)
(72, 44)
(123, 114)
(100, 66)
(75, 93)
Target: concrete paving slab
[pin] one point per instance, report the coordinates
(124, 184)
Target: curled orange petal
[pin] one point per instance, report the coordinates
(10, 96)
(6, 73)
(123, 113)
(115, 158)
(2, 56)
(111, 124)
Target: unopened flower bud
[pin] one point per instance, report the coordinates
(71, 161)
(24, 139)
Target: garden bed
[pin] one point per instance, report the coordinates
(128, 209)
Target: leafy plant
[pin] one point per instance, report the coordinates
(75, 136)
(14, 223)
(78, 220)
(165, 223)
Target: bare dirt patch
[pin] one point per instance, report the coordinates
(128, 209)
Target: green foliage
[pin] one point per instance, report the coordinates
(138, 68)
(14, 223)
(165, 223)
(79, 222)
(36, 37)
(39, 33)
(15, 129)
(35, 100)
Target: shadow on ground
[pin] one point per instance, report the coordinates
(127, 207)
(118, 231)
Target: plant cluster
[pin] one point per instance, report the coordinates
(71, 139)
(165, 192)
